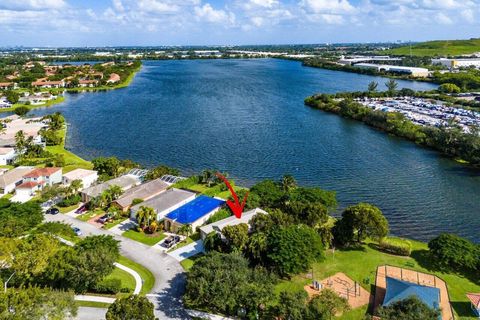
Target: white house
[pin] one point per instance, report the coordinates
(7, 155)
(44, 176)
(88, 177)
(13, 178)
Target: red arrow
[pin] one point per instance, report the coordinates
(236, 207)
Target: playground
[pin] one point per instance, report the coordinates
(342, 285)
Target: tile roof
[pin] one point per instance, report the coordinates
(474, 299)
(42, 172)
(144, 191)
(13, 176)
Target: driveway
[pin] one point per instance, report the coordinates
(123, 226)
(187, 251)
(87, 313)
(169, 275)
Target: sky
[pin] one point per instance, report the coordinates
(232, 22)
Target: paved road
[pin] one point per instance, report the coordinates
(169, 276)
(87, 313)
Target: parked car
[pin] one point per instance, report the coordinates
(81, 209)
(171, 241)
(77, 231)
(53, 211)
(104, 218)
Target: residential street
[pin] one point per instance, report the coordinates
(169, 277)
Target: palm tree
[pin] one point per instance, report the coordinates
(372, 86)
(391, 86)
(76, 185)
(288, 182)
(145, 215)
(257, 245)
(185, 230)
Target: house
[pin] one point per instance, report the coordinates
(144, 192)
(37, 99)
(125, 182)
(230, 221)
(8, 85)
(114, 78)
(88, 177)
(474, 302)
(194, 213)
(7, 155)
(165, 202)
(44, 176)
(48, 84)
(87, 83)
(26, 190)
(4, 103)
(13, 178)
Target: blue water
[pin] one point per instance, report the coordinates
(247, 117)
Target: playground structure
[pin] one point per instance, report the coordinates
(416, 277)
(342, 285)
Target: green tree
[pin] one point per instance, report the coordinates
(12, 96)
(311, 214)
(410, 308)
(365, 220)
(56, 121)
(326, 305)
(132, 307)
(107, 166)
(372, 86)
(292, 250)
(288, 182)
(185, 229)
(236, 236)
(213, 242)
(269, 192)
(257, 247)
(392, 86)
(33, 303)
(449, 88)
(291, 305)
(145, 215)
(160, 171)
(75, 186)
(452, 252)
(18, 218)
(21, 111)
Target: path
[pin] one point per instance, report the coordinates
(169, 275)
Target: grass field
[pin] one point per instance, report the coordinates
(48, 104)
(361, 264)
(89, 214)
(67, 209)
(438, 48)
(92, 304)
(147, 239)
(128, 281)
(148, 280)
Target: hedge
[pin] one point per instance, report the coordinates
(396, 246)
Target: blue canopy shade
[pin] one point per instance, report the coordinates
(399, 290)
(195, 209)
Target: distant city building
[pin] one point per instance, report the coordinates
(457, 63)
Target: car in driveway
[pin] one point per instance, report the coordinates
(104, 218)
(53, 211)
(171, 241)
(81, 209)
(77, 231)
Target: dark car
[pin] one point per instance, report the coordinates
(104, 218)
(171, 241)
(82, 209)
(53, 211)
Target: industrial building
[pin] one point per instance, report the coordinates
(457, 63)
(413, 71)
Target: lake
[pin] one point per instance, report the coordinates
(247, 117)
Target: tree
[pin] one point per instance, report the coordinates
(213, 242)
(56, 121)
(326, 305)
(185, 229)
(454, 253)
(269, 192)
(372, 86)
(291, 305)
(292, 250)
(20, 142)
(51, 137)
(268, 222)
(37, 304)
(449, 88)
(160, 171)
(12, 96)
(288, 182)
(75, 186)
(132, 307)
(224, 283)
(145, 215)
(110, 195)
(410, 308)
(107, 166)
(18, 218)
(364, 220)
(236, 236)
(257, 247)
(21, 111)
(391, 87)
(311, 214)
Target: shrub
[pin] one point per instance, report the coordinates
(70, 201)
(56, 228)
(108, 286)
(396, 246)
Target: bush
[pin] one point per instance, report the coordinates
(57, 228)
(70, 201)
(396, 246)
(108, 286)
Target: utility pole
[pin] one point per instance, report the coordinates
(6, 282)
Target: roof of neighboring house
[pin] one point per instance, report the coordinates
(144, 191)
(125, 182)
(42, 172)
(28, 185)
(87, 81)
(6, 84)
(4, 151)
(231, 221)
(165, 200)
(474, 299)
(47, 83)
(195, 209)
(114, 77)
(79, 174)
(397, 290)
(13, 176)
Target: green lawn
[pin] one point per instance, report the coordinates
(438, 48)
(92, 304)
(226, 194)
(148, 279)
(112, 224)
(128, 281)
(90, 214)
(361, 265)
(67, 209)
(29, 106)
(144, 238)
(187, 264)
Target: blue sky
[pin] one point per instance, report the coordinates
(230, 22)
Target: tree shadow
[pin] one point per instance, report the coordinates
(463, 308)
(170, 299)
(355, 247)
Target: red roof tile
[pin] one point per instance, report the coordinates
(28, 185)
(41, 172)
(474, 298)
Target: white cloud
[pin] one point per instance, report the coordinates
(443, 18)
(209, 14)
(327, 6)
(264, 3)
(23, 5)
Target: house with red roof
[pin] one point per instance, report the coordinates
(44, 176)
(475, 302)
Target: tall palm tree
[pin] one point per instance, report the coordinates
(76, 185)
(185, 230)
(145, 215)
(288, 182)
